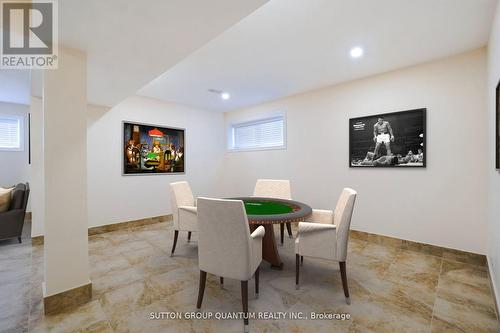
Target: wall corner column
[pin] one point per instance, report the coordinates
(67, 281)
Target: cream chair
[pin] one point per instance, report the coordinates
(225, 246)
(274, 188)
(183, 210)
(326, 236)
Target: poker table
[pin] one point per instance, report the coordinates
(269, 211)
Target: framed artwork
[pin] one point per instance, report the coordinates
(497, 127)
(151, 149)
(388, 140)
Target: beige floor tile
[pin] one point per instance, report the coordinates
(419, 262)
(380, 252)
(420, 285)
(108, 264)
(378, 315)
(479, 297)
(463, 316)
(465, 273)
(465, 257)
(134, 277)
(86, 318)
(115, 279)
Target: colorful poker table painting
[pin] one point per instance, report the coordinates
(152, 149)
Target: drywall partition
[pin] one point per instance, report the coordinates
(114, 197)
(443, 204)
(493, 175)
(37, 193)
(65, 174)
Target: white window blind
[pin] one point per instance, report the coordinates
(260, 134)
(10, 133)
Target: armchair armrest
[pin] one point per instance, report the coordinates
(257, 236)
(321, 216)
(258, 233)
(310, 227)
(11, 216)
(190, 209)
(11, 223)
(188, 218)
(316, 240)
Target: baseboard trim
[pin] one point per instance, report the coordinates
(446, 253)
(129, 224)
(39, 240)
(66, 300)
(493, 289)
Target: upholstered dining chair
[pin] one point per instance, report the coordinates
(225, 246)
(275, 188)
(183, 210)
(325, 236)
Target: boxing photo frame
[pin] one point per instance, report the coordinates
(396, 139)
(497, 127)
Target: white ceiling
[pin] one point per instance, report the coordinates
(291, 46)
(15, 86)
(130, 42)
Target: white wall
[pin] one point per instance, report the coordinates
(116, 198)
(37, 193)
(14, 167)
(66, 254)
(444, 204)
(493, 175)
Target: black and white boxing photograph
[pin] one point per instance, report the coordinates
(388, 140)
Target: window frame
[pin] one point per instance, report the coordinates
(256, 121)
(22, 132)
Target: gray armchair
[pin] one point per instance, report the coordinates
(12, 221)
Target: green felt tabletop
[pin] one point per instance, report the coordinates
(267, 208)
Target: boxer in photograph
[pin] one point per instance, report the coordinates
(368, 159)
(382, 133)
(388, 160)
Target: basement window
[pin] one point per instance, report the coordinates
(261, 134)
(11, 133)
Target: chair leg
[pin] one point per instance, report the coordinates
(189, 236)
(176, 234)
(302, 260)
(289, 229)
(19, 239)
(257, 282)
(221, 282)
(244, 301)
(282, 232)
(343, 274)
(297, 259)
(201, 288)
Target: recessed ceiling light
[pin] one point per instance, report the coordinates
(356, 52)
(222, 94)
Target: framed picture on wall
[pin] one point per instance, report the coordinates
(152, 149)
(395, 139)
(497, 127)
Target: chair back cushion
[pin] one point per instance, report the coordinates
(273, 188)
(5, 198)
(180, 195)
(342, 219)
(224, 238)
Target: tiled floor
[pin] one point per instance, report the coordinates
(392, 290)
